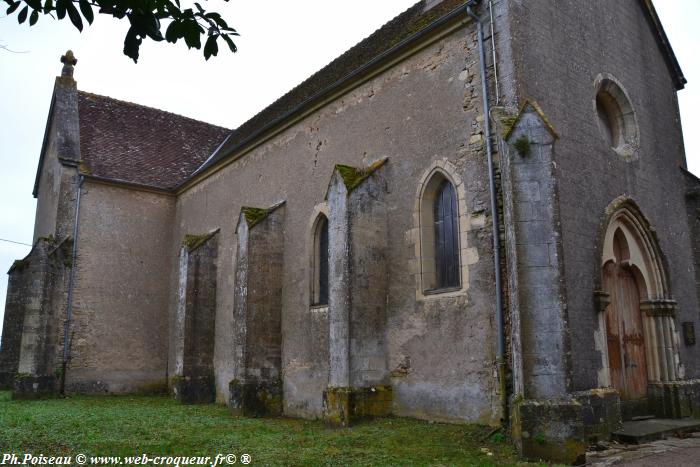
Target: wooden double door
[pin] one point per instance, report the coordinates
(625, 332)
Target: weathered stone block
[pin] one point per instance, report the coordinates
(194, 389)
(343, 406)
(549, 429)
(34, 387)
(677, 399)
(601, 412)
(256, 398)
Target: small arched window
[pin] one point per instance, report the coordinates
(319, 274)
(446, 237)
(439, 236)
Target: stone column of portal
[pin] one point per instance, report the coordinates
(256, 389)
(670, 394)
(546, 420)
(193, 380)
(358, 378)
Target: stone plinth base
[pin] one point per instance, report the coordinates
(34, 387)
(677, 399)
(6, 380)
(194, 389)
(551, 430)
(601, 413)
(343, 406)
(256, 398)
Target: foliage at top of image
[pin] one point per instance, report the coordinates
(144, 16)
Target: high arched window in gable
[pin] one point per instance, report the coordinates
(439, 235)
(319, 272)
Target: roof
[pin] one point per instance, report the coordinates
(416, 19)
(408, 25)
(670, 57)
(129, 143)
(141, 145)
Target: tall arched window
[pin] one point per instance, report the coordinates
(319, 282)
(439, 235)
(445, 219)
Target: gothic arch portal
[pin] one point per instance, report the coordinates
(637, 332)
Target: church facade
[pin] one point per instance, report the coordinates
(481, 213)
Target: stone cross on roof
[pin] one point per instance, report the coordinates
(69, 62)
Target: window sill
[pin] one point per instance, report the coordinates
(441, 294)
(442, 291)
(318, 308)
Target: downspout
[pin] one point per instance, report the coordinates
(500, 338)
(71, 284)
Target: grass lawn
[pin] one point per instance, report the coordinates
(125, 425)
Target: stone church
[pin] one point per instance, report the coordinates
(481, 213)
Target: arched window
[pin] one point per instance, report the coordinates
(445, 220)
(616, 117)
(439, 232)
(319, 273)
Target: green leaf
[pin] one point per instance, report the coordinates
(191, 33)
(172, 34)
(22, 15)
(13, 7)
(34, 17)
(61, 8)
(86, 10)
(74, 16)
(132, 42)
(230, 43)
(34, 4)
(210, 47)
(48, 7)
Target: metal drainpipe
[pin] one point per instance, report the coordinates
(500, 338)
(71, 283)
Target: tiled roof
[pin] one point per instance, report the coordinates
(417, 18)
(411, 21)
(141, 145)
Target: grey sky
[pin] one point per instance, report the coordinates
(281, 44)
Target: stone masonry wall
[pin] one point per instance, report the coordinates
(257, 388)
(120, 319)
(422, 111)
(532, 211)
(590, 174)
(193, 380)
(693, 209)
(12, 325)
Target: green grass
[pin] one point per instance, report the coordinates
(122, 426)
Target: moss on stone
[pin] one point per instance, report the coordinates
(192, 242)
(353, 177)
(48, 239)
(254, 216)
(507, 123)
(522, 145)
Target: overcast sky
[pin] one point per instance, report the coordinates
(281, 44)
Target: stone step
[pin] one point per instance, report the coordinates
(644, 431)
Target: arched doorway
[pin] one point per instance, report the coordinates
(623, 323)
(637, 312)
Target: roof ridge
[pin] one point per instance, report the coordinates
(134, 104)
(328, 64)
